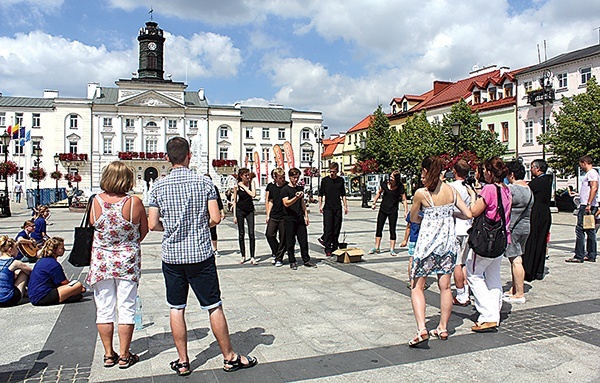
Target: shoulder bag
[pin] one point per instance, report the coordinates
(81, 254)
(488, 238)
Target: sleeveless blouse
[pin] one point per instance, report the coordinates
(7, 280)
(244, 202)
(435, 251)
(116, 248)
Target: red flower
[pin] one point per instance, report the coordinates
(8, 168)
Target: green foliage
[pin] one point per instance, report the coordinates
(381, 142)
(576, 131)
(416, 140)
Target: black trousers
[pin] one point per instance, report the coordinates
(332, 225)
(393, 219)
(277, 247)
(242, 215)
(293, 230)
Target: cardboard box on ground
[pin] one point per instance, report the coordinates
(349, 255)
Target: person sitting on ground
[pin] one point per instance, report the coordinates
(48, 284)
(40, 223)
(24, 237)
(13, 273)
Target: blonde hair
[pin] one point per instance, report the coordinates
(41, 210)
(117, 178)
(49, 249)
(27, 223)
(278, 172)
(6, 243)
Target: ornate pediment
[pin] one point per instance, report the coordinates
(151, 99)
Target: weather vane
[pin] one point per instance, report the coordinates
(151, 15)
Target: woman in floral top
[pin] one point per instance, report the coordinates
(121, 224)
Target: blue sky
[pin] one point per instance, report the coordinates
(338, 57)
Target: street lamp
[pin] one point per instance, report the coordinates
(365, 199)
(56, 161)
(311, 154)
(37, 152)
(5, 201)
(319, 137)
(456, 134)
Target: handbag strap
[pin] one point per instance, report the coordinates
(85, 221)
(523, 213)
(501, 207)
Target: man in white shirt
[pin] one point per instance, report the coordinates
(588, 205)
(461, 171)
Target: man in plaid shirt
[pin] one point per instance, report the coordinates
(184, 206)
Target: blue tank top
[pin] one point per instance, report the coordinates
(7, 280)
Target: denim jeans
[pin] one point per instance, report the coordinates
(580, 241)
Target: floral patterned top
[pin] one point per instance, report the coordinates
(435, 251)
(116, 247)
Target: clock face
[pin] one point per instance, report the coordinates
(152, 46)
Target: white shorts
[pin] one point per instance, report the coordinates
(112, 295)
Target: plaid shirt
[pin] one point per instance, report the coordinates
(182, 199)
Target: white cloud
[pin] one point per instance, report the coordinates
(27, 12)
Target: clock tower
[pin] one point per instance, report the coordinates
(151, 52)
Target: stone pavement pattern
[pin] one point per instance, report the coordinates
(336, 323)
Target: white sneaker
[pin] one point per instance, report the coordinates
(216, 253)
(278, 264)
(512, 299)
(273, 260)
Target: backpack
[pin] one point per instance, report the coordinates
(488, 238)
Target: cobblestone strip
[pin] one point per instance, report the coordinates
(61, 374)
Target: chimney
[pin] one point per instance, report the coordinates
(439, 86)
(91, 89)
(49, 93)
(201, 94)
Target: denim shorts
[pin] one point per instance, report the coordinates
(203, 279)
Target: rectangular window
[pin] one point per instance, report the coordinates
(265, 133)
(35, 144)
(222, 153)
(20, 175)
(19, 118)
(73, 147)
(35, 120)
(2, 119)
(476, 97)
(193, 124)
(492, 94)
(18, 150)
(106, 121)
(107, 145)
(527, 85)
(223, 132)
(491, 128)
(249, 133)
(172, 124)
(129, 144)
(508, 90)
(405, 106)
(305, 135)
(151, 145)
(281, 133)
(73, 121)
(263, 179)
(505, 131)
(265, 154)
(529, 132)
(249, 156)
(586, 75)
(562, 80)
(129, 122)
(305, 156)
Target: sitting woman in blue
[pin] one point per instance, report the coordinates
(13, 273)
(48, 284)
(24, 237)
(39, 230)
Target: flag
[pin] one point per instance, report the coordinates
(25, 138)
(14, 131)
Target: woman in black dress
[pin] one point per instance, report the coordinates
(535, 249)
(243, 208)
(392, 190)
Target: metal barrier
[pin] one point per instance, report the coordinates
(47, 196)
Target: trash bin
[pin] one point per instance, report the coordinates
(4, 205)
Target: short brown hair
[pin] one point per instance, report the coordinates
(27, 223)
(51, 245)
(334, 165)
(293, 172)
(586, 159)
(116, 178)
(178, 149)
(461, 168)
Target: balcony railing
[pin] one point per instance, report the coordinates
(540, 96)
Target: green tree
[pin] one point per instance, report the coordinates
(381, 142)
(416, 140)
(483, 142)
(576, 131)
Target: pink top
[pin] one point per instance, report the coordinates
(490, 196)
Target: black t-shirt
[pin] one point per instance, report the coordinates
(333, 190)
(391, 198)
(294, 212)
(244, 201)
(277, 210)
(219, 200)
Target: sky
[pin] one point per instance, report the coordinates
(342, 58)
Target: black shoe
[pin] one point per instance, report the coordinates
(294, 266)
(320, 239)
(328, 254)
(309, 264)
(586, 259)
(574, 260)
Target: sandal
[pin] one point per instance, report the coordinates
(393, 253)
(129, 361)
(243, 260)
(234, 365)
(253, 261)
(419, 339)
(456, 302)
(574, 260)
(374, 250)
(177, 367)
(439, 333)
(111, 360)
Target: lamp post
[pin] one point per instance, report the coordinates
(546, 90)
(456, 134)
(319, 137)
(311, 154)
(56, 161)
(5, 201)
(365, 199)
(37, 152)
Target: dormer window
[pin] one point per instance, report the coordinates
(508, 90)
(476, 97)
(492, 94)
(405, 106)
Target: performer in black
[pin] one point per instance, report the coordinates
(334, 191)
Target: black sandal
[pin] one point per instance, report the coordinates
(176, 366)
(237, 363)
(111, 360)
(129, 361)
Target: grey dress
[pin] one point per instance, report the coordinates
(522, 201)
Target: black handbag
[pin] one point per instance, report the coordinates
(488, 238)
(81, 254)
